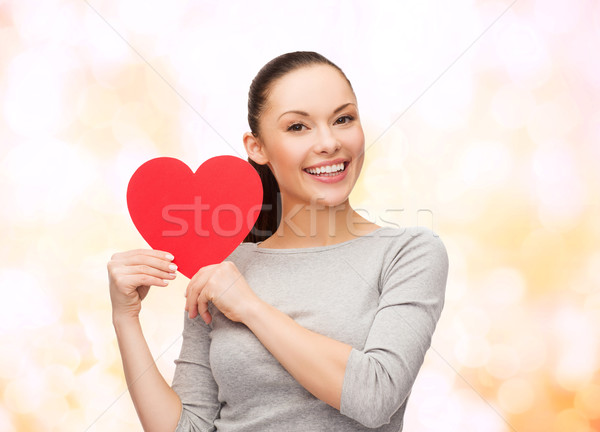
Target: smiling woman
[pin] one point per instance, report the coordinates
(320, 319)
(310, 122)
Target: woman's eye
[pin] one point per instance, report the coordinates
(296, 127)
(344, 119)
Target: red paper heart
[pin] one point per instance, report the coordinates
(199, 217)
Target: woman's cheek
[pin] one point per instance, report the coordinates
(356, 140)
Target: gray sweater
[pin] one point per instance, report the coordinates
(382, 294)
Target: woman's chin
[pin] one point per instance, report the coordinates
(329, 200)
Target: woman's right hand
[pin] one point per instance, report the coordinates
(132, 273)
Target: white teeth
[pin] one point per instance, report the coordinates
(327, 169)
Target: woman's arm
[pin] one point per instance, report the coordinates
(317, 362)
(156, 404)
(130, 276)
(378, 379)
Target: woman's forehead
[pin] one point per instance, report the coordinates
(316, 86)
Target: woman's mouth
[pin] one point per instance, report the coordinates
(328, 170)
(332, 173)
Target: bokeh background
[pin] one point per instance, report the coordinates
(482, 121)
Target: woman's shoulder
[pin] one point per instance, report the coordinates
(413, 241)
(416, 253)
(241, 254)
(409, 234)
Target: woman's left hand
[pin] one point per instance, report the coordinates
(224, 286)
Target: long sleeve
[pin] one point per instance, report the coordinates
(193, 379)
(379, 378)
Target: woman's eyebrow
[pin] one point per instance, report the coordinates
(304, 113)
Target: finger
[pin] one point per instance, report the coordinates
(150, 271)
(143, 291)
(148, 252)
(195, 287)
(188, 302)
(138, 280)
(202, 307)
(193, 291)
(190, 307)
(150, 261)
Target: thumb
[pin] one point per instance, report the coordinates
(143, 291)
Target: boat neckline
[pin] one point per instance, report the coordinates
(316, 248)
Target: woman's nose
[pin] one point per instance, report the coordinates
(327, 141)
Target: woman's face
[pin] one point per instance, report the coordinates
(311, 121)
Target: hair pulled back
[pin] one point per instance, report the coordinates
(258, 95)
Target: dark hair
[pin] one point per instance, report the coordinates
(270, 214)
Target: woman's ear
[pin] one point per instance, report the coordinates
(254, 148)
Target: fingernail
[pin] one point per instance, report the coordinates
(169, 257)
(173, 267)
(166, 282)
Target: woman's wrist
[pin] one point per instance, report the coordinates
(253, 311)
(125, 320)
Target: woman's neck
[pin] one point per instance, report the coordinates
(309, 225)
